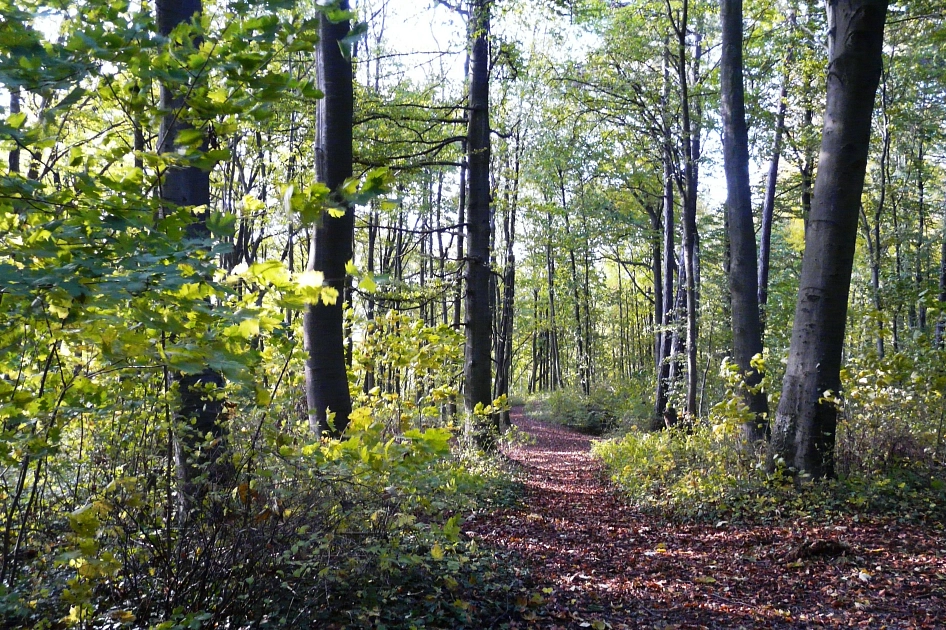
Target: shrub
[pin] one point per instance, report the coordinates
(604, 410)
(889, 454)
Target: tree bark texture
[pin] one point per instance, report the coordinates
(478, 322)
(806, 422)
(331, 244)
(743, 273)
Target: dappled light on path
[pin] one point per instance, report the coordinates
(596, 562)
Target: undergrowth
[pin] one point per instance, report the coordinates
(603, 410)
(889, 456)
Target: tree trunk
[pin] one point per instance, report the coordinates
(874, 246)
(201, 401)
(806, 420)
(941, 323)
(665, 336)
(331, 245)
(743, 278)
(768, 203)
(504, 354)
(690, 175)
(14, 157)
(478, 324)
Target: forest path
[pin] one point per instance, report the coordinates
(595, 562)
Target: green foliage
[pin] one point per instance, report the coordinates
(411, 370)
(889, 455)
(108, 296)
(893, 420)
(605, 410)
(699, 472)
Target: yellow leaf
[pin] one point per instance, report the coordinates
(311, 279)
(705, 579)
(329, 295)
(123, 616)
(436, 552)
(367, 284)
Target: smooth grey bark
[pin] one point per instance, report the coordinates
(806, 421)
(201, 400)
(665, 341)
(665, 296)
(477, 362)
(331, 242)
(743, 278)
(691, 152)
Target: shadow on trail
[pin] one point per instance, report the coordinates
(596, 562)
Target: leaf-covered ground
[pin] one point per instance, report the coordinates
(595, 562)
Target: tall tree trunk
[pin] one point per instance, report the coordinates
(768, 203)
(665, 335)
(941, 324)
(874, 243)
(806, 421)
(919, 269)
(373, 224)
(690, 175)
(504, 354)
(201, 400)
(331, 245)
(478, 324)
(555, 370)
(743, 278)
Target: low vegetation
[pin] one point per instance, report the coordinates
(891, 455)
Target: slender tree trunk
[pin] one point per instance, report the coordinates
(14, 157)
(331, 245)
(941, 324)
(873, 232)
(478, 324)
(555, 371)
(743, 278)
(768, 203)
(806, 420)
(690, 150)
(373, 221)
(665, 335)
(504, 354)
(919, 269)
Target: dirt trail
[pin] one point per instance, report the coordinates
(597, 563)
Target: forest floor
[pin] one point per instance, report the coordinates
(592, 561)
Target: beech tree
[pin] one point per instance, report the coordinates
(331, 239)
(806, 421)
(743, 279)
(478, 320)
(201, 398)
